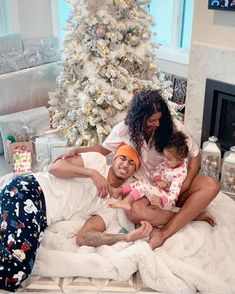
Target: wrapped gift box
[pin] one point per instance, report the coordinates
(11, 44)
(16, 54)
(50, 48)
(33, 52)
(11, 53)
(57, 150)
(44, 150)
(28, 123)
(44, 145)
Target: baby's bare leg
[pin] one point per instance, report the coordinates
(125, 203)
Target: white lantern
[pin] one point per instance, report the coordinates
(228, 172)
(211, 158)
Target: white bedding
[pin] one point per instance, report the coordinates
(197, 258)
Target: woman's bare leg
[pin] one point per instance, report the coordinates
(195, 200)
(142, 210)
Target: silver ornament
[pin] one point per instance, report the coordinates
(134, 40)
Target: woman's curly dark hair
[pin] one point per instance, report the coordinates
(143, 105)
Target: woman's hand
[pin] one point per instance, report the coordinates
(101, 183)
(70, 153)
(185, 186)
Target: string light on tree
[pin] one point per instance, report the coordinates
(108, 57)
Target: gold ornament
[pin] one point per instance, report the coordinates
(78, 15)
(103, 50)
(101, 31)
(151, 70)
(110, 111)
(119, 2)
(83, 142)
(88, 108)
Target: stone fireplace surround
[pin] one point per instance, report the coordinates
(206, 62)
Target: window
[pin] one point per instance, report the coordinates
(173, 27)
(4, 26)
(186, 25)
(64, 13)
(172, 30)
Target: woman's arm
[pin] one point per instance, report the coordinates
(78, 150)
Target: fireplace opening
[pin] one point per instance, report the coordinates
(219, 113)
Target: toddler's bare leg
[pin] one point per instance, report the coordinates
(125, 203)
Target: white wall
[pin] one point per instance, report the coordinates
(214, 27)
(212, 56)
(31, 18)
(175, 68)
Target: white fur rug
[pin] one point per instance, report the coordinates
(197, 258)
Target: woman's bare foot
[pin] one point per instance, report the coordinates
(206, 216)
(125, 204)
(156, 238)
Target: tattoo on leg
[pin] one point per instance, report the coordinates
(96, 239)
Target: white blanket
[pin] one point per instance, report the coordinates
(197, 258)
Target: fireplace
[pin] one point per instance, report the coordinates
(219, 113)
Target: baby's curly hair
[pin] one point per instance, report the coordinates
(143, 105)
(178, 145)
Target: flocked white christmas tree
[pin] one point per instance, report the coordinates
(109, 55)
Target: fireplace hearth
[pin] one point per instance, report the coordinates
(219, 113)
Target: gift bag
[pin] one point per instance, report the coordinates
(23, 125)
(22, 162)
(20, 146)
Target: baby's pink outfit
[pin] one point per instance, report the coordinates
(175, 176)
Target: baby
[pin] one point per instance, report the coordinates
(167, 178)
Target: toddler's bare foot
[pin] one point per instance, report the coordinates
(121, 204)
(206, 216)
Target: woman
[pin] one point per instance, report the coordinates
(148, 127)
